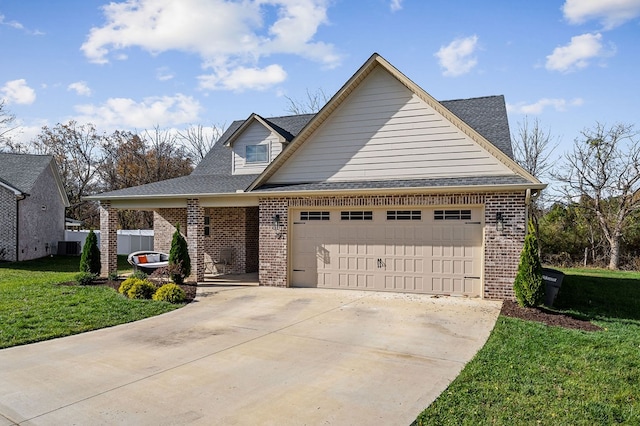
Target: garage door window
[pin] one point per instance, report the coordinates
(356, 215)
(452, 215)
(315, 216)
(404, 215)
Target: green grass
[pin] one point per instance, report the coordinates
(532, 374)
(34, 306)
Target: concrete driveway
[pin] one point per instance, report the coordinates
(252, 355)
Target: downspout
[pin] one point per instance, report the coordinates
(18, 199)
(527, 203)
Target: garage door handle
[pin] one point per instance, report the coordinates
(471, 278)
(381, 263)
(298, 270)
(473, 223)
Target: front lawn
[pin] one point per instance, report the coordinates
(530, 373)
(35, 306)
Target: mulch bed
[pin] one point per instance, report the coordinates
(546, 316)
(189, 288)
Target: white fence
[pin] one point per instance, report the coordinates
(128, 240)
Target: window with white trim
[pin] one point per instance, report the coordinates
(257, 153)
(315, 216)
(452, 215)
(356, 215)
(404, 215)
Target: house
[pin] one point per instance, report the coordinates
(32, 204)
(384, 188)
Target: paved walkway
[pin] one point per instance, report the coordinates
(252, 355)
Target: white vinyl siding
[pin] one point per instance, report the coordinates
(254, 134)
(384, 131)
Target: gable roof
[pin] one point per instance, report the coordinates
(373, 63)
(286, 127)
(213, 174)
(482, 119)
(20, 172)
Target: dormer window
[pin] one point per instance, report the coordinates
(257, 153)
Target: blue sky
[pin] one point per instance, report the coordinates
(140, 63)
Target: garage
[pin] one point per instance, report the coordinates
(418, 250)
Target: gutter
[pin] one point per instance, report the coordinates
(265, 194)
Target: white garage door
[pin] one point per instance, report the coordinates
(436, 251)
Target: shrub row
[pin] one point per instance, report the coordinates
(137, 288)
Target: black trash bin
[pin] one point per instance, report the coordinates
(552, 282)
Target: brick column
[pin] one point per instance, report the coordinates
(273, 245)
(195, 238)
(502, 249)
(108, 238)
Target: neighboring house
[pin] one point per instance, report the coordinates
(32, 204)
(384, 188)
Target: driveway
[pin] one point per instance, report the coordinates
(252, 355)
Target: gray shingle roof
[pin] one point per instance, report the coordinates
(22, 170)
(487, 115)
(218, 160)
(395, 184)
(198, 184)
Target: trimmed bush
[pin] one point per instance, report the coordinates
(90, 259)
(528, 285)
(126, 285)
(85, 278)
(171, 293)
(141, 275)
(179, 257)
(141, 289)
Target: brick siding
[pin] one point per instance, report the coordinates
(502, 250)
(235, 228)
(195, 239)
(108, 238)
(230, 227)
(8, 232)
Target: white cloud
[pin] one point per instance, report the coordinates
(611, 13)
(225, 34)
(18, 26)
(396, 5)
(80, 87)
(13, 24)
(119, 113)
(577, 53)
(18, 92)
(456, 57)
(538, 107)
(164, 74)
(242, 78)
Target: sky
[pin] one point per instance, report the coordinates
(138, 64)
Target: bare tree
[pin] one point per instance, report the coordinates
(198, 140)
(76, 149)
(604, 170)
(533, 148)
(166, 158)
(6, 126)
(312, 104)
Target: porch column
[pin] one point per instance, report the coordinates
(108, 238)
(195, 238)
